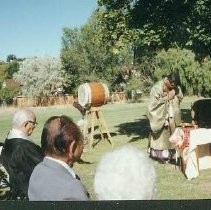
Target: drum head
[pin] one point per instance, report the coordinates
(84, 94)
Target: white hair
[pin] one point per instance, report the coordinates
(21, 116)
(125, 174)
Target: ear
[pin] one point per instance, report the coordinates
(72, 147)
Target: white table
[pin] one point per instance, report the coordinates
(198, 154)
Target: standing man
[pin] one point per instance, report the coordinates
(164, 115)
(20, 154)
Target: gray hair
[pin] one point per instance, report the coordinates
(125, 174)
(21, 116)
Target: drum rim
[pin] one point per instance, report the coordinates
(106, 92)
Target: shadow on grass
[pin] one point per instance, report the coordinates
(81, 161)
(97, 135)
(140, 128)
(97, 138)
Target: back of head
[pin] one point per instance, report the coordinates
(57, 135)
(125, 174)
(21, 116)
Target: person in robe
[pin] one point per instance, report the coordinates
(164, 115)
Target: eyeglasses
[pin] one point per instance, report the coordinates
(35, 123)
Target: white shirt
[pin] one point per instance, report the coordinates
(70, 170)
(15, 133)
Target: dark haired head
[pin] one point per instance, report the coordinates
(174, 78)
(58, 134)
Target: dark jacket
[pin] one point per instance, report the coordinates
(19, 157)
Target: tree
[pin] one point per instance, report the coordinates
(84, 57)
(40, 76)
(183, 61)
(12, 67)
(3, 72)
(157, 24)
(11, 57)
(199, 28)
(7, 88)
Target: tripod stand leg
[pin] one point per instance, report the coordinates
(93, 115)
(103, 127)
(92, 128)
(100, 125)
(85, 127)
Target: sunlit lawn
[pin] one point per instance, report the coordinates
(127, 124)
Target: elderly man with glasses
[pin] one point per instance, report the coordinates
(20, 154)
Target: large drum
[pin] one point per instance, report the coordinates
(93, 94)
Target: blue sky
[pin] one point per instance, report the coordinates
(34, 27)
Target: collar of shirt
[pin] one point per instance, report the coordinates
(70, 170)
(15, 133)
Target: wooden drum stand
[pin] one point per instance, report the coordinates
(93, 115)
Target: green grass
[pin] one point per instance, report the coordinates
(127, 124)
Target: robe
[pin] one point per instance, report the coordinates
(164, 115)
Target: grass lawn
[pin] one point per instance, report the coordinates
(127, 124)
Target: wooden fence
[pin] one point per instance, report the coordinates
(22, 101)
(43, 101)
